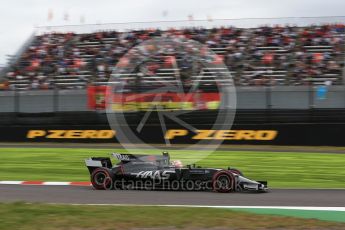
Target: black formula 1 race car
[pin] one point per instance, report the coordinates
(156, 172)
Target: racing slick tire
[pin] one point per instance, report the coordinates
(233, 170)
(223, 182)
(102, 179)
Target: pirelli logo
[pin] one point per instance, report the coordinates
(260, 135)
(171, 134)
(71, 134)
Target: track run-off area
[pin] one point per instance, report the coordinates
(22, 177)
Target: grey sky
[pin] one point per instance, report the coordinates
(19, 18)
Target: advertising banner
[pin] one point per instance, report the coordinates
(280, 134)
(132, 102)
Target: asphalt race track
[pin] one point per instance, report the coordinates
(87, 195)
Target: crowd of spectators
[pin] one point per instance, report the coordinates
(286, 55)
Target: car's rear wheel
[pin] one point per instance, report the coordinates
(223, 182)
(101, 179)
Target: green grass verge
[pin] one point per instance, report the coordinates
(338, 216)
(299, 170)
(51, 217)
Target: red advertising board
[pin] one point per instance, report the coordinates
(146, 101)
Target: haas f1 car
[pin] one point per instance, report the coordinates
(157, 172)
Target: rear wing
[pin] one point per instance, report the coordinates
(126, 157)
(97, 162)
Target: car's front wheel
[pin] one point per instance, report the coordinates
(233, 170)
(223, 182)
(101, 179)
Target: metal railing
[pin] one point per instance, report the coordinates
(238, 22)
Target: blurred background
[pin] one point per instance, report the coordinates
(265, 79)
(287, 64)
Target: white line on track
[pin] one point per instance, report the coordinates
(307, 208)
(56, 183)
(11, 182)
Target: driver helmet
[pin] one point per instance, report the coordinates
(177, 163)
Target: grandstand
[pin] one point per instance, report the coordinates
(288, 78)
(260, 56)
